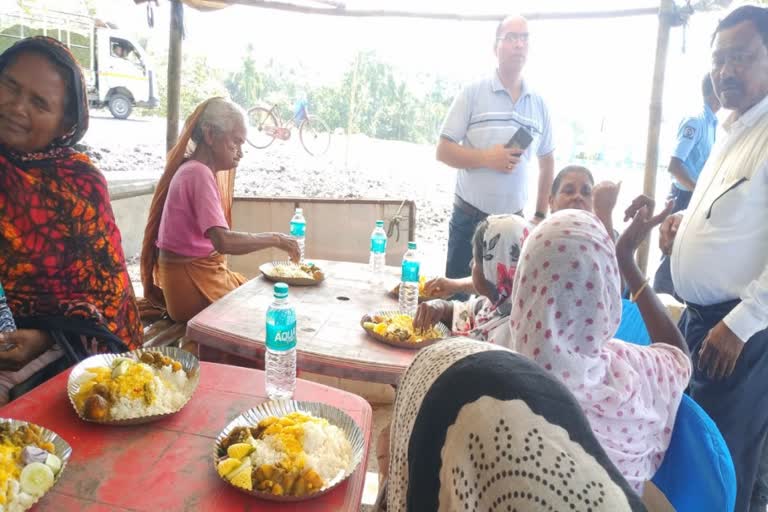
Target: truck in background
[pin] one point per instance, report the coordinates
(117, 69)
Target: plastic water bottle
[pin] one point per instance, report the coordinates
(378, 250)
(281, 346)
(299, 229)
(409, 281)
(6, 317)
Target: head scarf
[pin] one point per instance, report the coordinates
(476, 427)
(77, 98)
(178, 154)
(566, 310)
(61, 257)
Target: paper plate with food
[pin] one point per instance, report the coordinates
(288, 450)
(134, 387)
(396, 328)
(32, 459)
(297, 274)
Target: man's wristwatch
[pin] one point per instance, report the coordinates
(540, 215)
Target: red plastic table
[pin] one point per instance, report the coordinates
(168, 465)
(330, 339)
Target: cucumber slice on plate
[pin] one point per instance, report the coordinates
(53, 462)
(36, 478)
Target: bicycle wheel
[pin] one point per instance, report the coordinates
(262, 127)
(314, 135)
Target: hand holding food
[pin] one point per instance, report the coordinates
(400, 328)
(430, 313)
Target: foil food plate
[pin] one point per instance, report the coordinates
(270, 272)
(61, 449)
(279, 408)
(189, 363)
(440, 327)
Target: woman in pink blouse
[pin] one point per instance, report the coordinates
(188, 231)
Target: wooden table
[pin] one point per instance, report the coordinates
(330, 339)
(168, 465)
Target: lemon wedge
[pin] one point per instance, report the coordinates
(239, 450)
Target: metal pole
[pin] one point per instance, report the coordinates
(654, 118)
(174, 73)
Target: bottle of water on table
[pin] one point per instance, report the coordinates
(280, 364)
(409, 281)
(6, 317)
(299, 229)
(378, 251)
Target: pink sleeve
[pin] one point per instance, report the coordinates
(665, 370)
(205, 197)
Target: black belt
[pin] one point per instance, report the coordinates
(470, 210)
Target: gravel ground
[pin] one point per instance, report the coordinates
(354, 167)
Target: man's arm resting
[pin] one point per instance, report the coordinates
(458, 156)
(751, 315)
(678, 170)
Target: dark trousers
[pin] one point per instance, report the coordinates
(662, 281)
(460, 231)
(738, 404)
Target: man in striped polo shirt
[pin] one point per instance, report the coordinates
(492, 178)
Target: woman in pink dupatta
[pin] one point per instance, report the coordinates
(566, 309)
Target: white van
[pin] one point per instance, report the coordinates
(117, 69)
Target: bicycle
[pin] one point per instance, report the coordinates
(266, 125)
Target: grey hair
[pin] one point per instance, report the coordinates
(221, 115)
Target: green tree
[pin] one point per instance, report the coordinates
(199, 81)
(246, 86)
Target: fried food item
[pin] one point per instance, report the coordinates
(400, 328)
(96, 407)
(159, 360)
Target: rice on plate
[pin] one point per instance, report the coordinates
(31, 461)
(151, 384)
(297, 454)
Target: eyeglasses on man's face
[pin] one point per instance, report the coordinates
(514, 37)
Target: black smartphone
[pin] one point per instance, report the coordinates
(520, 140)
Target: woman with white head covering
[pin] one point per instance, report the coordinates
(477, 427)
(566, 309)
(497, 243)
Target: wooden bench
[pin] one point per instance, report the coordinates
(164, 332)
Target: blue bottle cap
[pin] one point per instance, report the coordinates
(379, 223)
(281, 290)
(411, 246)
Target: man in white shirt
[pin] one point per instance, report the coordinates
(719, 255)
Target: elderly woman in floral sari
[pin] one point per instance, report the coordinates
(61, 260)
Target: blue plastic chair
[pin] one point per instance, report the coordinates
(697, 473)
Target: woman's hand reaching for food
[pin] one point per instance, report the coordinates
(290, 245)
(430, 313)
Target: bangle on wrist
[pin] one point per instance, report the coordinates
(634, 296)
